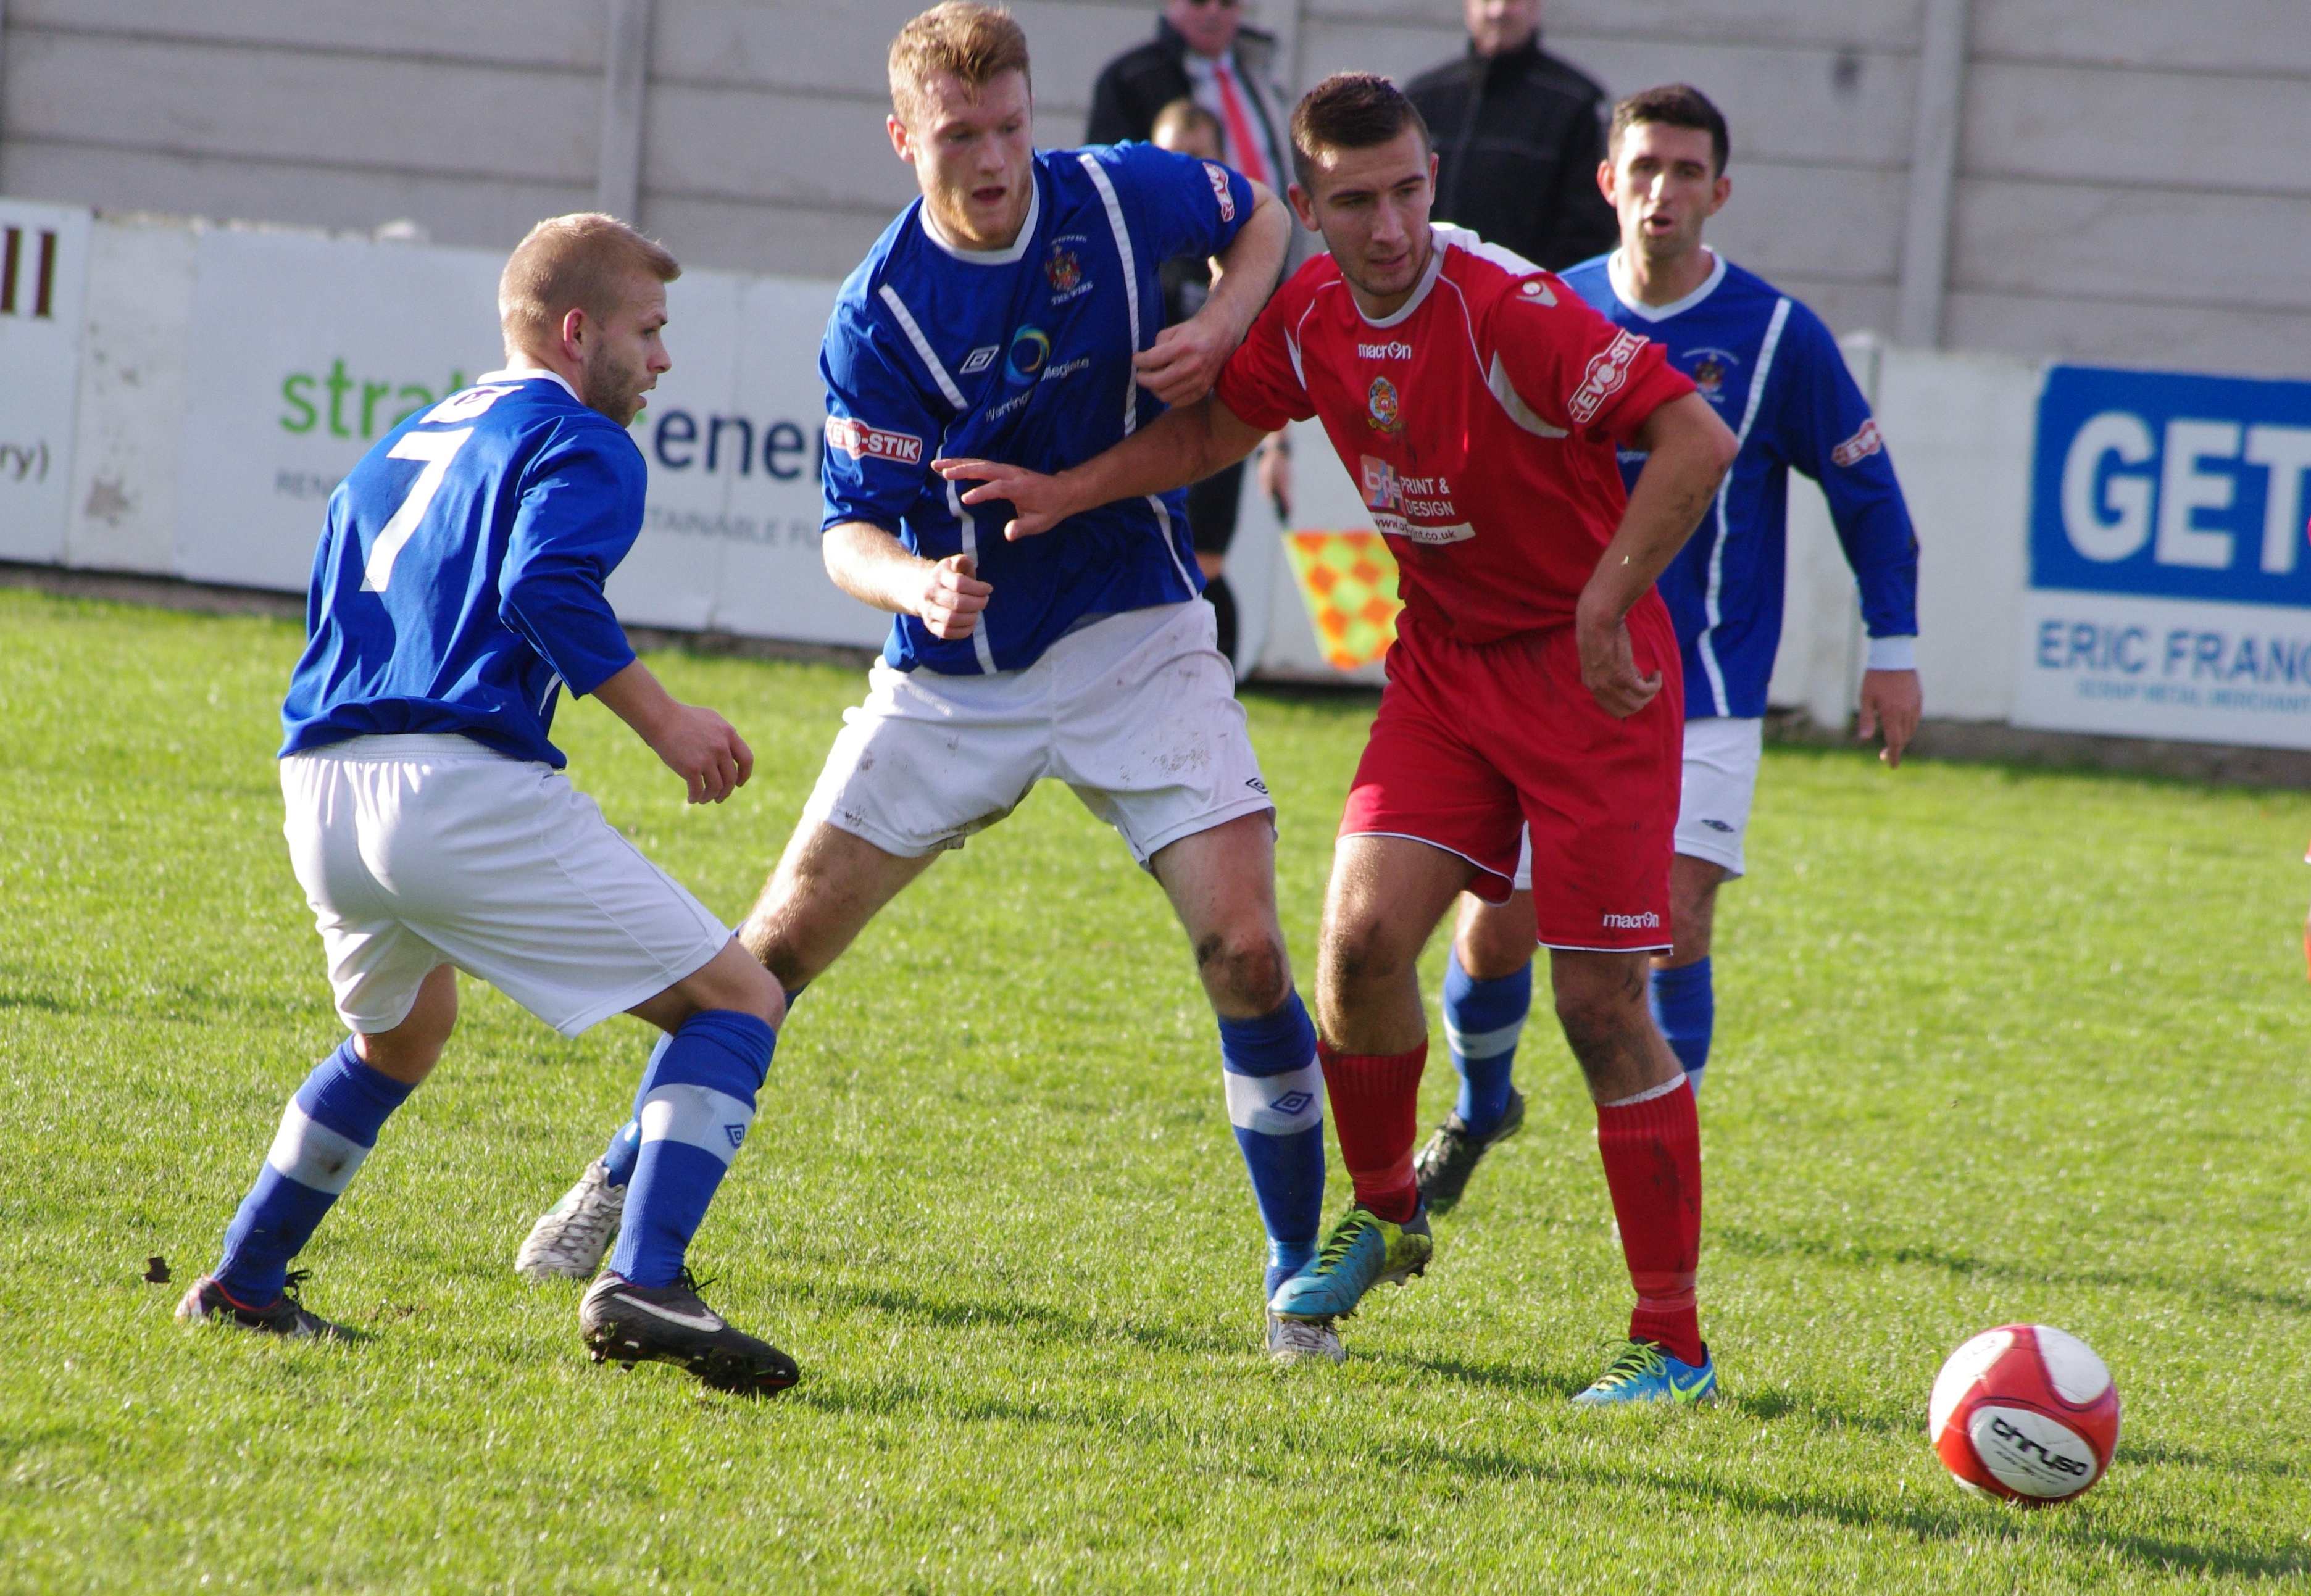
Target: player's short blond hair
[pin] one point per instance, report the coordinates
(579, 262)
(974, 43)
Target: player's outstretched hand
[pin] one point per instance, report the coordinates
(704, 750)
(1184, 362)
(952, 597)
(1039, 500)
(1608, 666)
(1891, 701)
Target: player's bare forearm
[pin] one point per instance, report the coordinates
(1689, 451)
(696, 743)
(1185, 359)
(1245, 274)
(1178, 448)
(873, 566)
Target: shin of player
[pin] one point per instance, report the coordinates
(456, 591)
(1478, 404)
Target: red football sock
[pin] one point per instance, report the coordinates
(1376, 1110)
(1652, 1151)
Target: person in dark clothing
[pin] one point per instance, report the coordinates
(1519, 136)
(1201, 52)
(1189, 129)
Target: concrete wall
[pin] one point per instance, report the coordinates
(2123, 186)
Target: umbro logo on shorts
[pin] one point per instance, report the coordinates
(1256, 784)
(1646, 922)
(1718, 825)
(737, 1133)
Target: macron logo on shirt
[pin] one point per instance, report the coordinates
(861, 442)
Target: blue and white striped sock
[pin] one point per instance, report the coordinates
(626, 1142)
(696, 1101)
(1483, 1020)
(1275, 1102)
(328, 1128)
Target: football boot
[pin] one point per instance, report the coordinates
(629, 1324)
(1443, 1166)
(571, 1238)
(1649, 1372)
(1362, 1251)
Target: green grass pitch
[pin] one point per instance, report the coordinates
(1995, 1045)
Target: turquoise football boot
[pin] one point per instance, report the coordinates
(1363, 1251)
(1648, 1371)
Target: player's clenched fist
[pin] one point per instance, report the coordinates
(952, 597)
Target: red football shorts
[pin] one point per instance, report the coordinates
(1474, 742)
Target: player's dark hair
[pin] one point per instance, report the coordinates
(1672, 105)
(580, 261)
(975, 44)
(1179, 116)
(1350, 111)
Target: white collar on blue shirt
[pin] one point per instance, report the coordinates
(1017, 249)
(1617, 271)
(523, 374)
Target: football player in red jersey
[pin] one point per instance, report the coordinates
(1535, 681)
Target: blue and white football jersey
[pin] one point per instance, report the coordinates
(1777, 378)
(458, 583)
(1020, 356)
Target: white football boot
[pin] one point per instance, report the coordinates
(1289, 1340)
(570, 1239)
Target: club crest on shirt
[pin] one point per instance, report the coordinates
(1709, 372)
(1063, 269)
(1381, 406)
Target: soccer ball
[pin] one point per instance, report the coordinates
(2024, 1412)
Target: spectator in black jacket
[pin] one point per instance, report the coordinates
(1518, 137)
(1202, 52)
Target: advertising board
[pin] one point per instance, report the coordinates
(43, 278)
(2169, 590)
(305, 350)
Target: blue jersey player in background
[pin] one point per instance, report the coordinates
(1777, 379)
(458, 591)
(1015, 314)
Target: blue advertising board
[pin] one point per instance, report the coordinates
(2170, 561)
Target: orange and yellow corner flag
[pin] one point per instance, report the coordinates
(1348, 581)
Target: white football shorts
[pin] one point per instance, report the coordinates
(1721, 755)
(418, 851)
(1136, 711)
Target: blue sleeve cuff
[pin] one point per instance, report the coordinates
(1892, 653)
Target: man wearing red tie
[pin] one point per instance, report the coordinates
(1201, 51)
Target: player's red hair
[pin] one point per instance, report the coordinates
(579, 262)
(973, 43)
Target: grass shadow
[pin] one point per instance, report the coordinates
(1036, 1321)
(1864, 1255)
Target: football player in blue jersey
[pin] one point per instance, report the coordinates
(1777, 377)
(457, 589)
(1013, 313)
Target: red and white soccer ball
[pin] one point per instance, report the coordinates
(2025, 1412)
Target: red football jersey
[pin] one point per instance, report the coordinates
(1480, 422)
